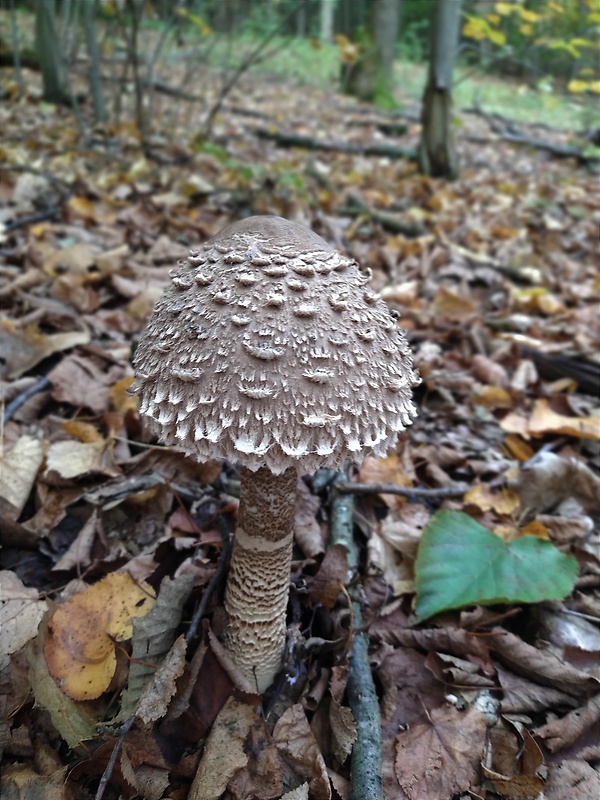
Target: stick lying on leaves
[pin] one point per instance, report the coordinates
(365, 776)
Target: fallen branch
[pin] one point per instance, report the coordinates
(289, 139)
(405, 491)
(365, 773)
(355, 207)
(20, 400)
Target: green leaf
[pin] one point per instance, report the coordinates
(460, 563)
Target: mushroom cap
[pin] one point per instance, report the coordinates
(269, 349)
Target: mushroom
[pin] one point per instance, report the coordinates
(268, 349)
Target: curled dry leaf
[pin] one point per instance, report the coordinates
(224, 751)
(299, 748)
(80, 646)
(560, 733)
(514, 765)
(548, 479)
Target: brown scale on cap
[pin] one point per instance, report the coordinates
(269, 349)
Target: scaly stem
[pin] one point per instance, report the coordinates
(259, 575)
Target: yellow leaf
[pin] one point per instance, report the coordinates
(493, 18)
(82, 207)
(535, 528)
(119, 398)
(80, 647)
(526, 29)
(504, 502)
(529, 16)
(577, 86)
(82, 431)
(496, 37)
(545, 420)
(493, 397)
(506, 8)
(451, 306)
(518, 448)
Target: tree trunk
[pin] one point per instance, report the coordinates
(48, 48)
(89, 10)
(327, 18)
(386, 16)
(436, 153)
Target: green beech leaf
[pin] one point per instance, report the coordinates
(460, 563)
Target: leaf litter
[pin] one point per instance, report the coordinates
(497, 288)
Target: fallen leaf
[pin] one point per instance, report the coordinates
(544, 420)
(441, 758)
(69, 460)
(21, 611)
(224, 751)
(80, 647)
(18, 470)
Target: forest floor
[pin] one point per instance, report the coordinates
(496, 282)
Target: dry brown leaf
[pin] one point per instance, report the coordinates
(307, 531)
(155, 698)
(224, 751)
(571, 779)
(548, 479)
(80, 647)
(78, 381)
(18, 470)
(343, 730)
(544, 420)
(299, 749)
(66, 461)
(441, 758)
(513, 762)
(451, 306)
(488, 371)
(326, 585)
(560, 733)
(21, 611)
(23, 349)
(542, 667)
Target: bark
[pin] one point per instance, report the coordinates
(48, 49)
(437, 156)
(386, 16)
(89, 9)
(327, 18)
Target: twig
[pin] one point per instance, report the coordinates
(106, 775)
(32, 219)
(213, 582)
(355, 207)
(289, 139)
(22, 398)
(406, 491)
(365, 773)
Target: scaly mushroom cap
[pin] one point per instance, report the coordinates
(268, 348)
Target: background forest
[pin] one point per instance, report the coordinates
(443, 621)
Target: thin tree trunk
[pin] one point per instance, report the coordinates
(437, 156)
(386, 16)
(48, 48)
(94, 53)
(327, 19)
(14, 33)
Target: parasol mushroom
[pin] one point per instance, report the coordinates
(268, 349)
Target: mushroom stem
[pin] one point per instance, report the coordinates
(259, 576)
